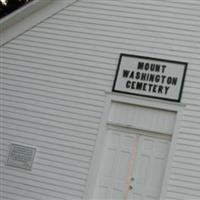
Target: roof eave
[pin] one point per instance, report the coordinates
(28, 16)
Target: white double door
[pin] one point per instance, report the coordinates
(132, 167)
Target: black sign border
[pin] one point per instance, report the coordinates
(185, 64)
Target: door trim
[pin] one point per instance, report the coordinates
(140, 101)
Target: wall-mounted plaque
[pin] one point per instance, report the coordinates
(151, 77)
(21, 156)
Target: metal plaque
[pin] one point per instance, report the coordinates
(20, 156)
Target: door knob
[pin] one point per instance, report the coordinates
(130, 187)
(132, 178)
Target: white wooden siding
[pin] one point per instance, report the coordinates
(54, 78)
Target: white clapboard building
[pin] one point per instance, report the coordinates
(100, 100)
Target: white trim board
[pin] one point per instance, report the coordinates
(140, 101)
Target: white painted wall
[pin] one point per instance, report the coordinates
(54, 78)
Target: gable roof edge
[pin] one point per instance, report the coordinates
(10, 32)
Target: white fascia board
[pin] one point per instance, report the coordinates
(28, 16)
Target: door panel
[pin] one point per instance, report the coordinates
(116, 165)
(149, 168)
(127, 156)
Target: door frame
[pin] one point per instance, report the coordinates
(139, 101)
